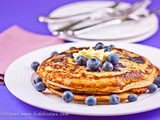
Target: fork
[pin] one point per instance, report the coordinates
(109, 23)
(79, 16)
(117, 19)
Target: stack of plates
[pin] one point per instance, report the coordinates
(129, 31)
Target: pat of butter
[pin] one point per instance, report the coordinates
(91, 53)
(48, 68)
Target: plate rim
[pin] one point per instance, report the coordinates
(139, 38)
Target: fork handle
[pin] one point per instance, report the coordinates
(96, 26)
(75, 17)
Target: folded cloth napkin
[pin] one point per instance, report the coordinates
(15, 42)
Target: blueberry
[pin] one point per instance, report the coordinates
(107, 48)
(153, 88)
(114, 99)
(132, 98)
(68, 96)
(113, 58)
(157, 81)
(112, 46)
(34, 65)
(81, 60)
(53, 53)
(99, 46)
(40, 86)
(37, 79)
(72, 47)
(107, 66)
(158, 75)
(90, 101)
(93, 63)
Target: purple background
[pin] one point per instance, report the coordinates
(25, 14)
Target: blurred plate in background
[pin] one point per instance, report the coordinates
(129, 31)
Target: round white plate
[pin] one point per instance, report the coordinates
(19, 80)
(126, 30)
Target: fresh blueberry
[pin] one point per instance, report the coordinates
(72, 47)
(107, 66)
(112, 46)
(157, 81)
(40, 86)
(113, 58)
(158, 75)
(153, 88)
(93, 63)
(132, 97)
(68, 96)
(99, 46)
(114, 99)
(90, 101)
(81, 60)
(53, 53)
(37, 79)
(107, 49)
(34, 65)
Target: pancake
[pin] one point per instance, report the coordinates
(100, 97)
(134, 74)
(81, 97)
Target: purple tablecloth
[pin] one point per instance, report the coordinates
(25, 13)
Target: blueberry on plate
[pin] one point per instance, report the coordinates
(114, 99)
(40, 86)
(99, 46)
(153, 88)
(132, 98)
(37, 79)
(157, 81)
(107, 49)
(68, 96)
(107, 66)
(81, 60)
(113, 58)
(53, 53)
(34, 65)
(158, 75)
(93, 63)
(90, 101)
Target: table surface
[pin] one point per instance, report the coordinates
(25, 14)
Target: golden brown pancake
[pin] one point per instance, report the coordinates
(134, 74)
(100, 97)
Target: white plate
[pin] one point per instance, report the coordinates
(19, 80)
(125, 30)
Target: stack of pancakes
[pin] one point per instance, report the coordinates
(133, 74)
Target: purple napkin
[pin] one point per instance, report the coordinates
(15, 42)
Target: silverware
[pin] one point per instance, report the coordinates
(94, 14)
(79, 16)
(140, 16)
(116, 20)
